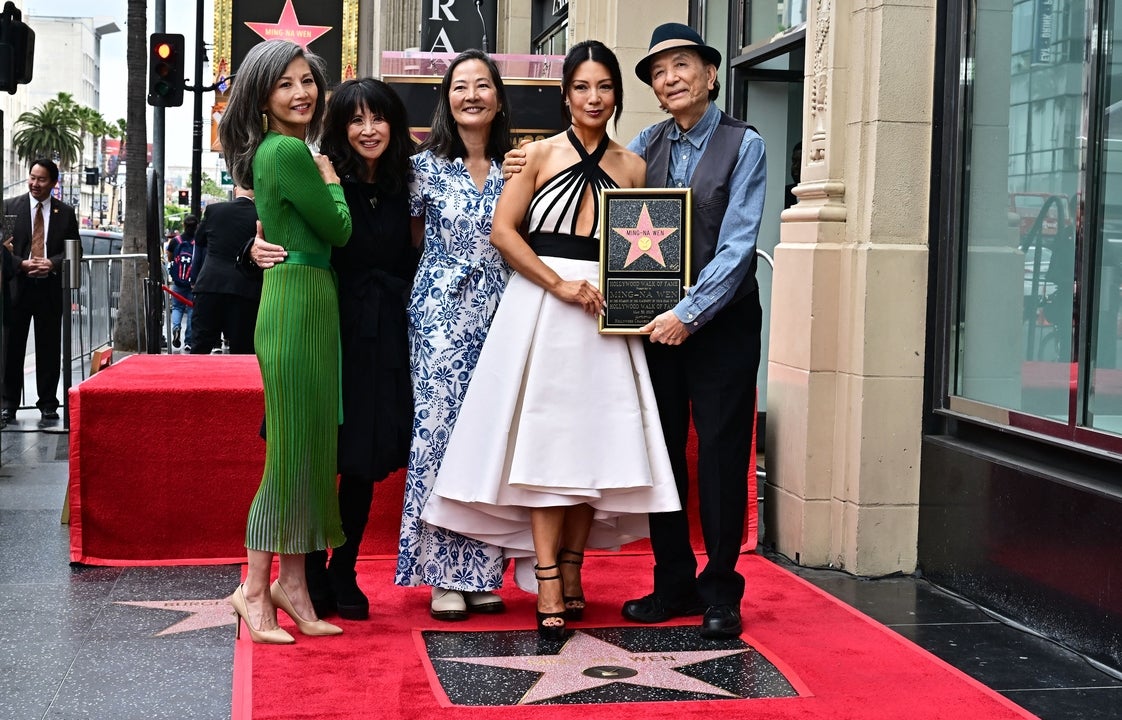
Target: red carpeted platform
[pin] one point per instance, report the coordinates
(165, 458)
(840, 663)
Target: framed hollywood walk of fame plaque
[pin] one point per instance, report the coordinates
(644, 255)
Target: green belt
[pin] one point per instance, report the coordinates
(316, 260)
(323, 262)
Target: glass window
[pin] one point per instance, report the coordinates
(554, 41)
(1041, 218)
(1104, 403)
(1017, 269)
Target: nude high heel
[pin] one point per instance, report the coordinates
(276, 636)
(307, 627)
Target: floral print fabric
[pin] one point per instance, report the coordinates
(459, 281)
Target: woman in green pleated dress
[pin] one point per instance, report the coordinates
(275, 108)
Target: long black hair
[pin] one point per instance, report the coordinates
(595, 51)
(443, 139)
(351, 98)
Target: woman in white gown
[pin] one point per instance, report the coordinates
(558, 444)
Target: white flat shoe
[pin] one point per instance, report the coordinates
(448, 605)
(483, 602)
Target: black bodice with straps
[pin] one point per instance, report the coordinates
(555, 207)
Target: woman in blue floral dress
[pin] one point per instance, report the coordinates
(456, 182)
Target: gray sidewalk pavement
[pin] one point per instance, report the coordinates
(157, 642)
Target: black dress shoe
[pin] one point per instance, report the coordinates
(50, 415)
(7, 416)
(721, 622)
(655, 608)
(319, 585)
(350, 602)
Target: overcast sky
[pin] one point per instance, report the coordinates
(181, 19)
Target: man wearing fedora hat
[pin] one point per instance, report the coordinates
(703, 354)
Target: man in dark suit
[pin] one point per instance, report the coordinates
(42, 224)
(225, 299)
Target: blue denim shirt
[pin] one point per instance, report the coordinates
(736, 244)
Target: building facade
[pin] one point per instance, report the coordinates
(943, 385)
(68, 60)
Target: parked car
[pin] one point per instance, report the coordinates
(100, 242)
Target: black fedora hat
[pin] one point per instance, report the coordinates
(671, 36)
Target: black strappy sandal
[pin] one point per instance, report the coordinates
(550, 632)
(574, 604)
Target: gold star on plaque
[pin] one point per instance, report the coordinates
(645, 239)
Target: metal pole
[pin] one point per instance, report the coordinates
(71, 279)
(159, 135)
(197, 143)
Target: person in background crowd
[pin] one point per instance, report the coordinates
(455, 184)
(34, 293)
(181, 263)
(789, 198)
(225, 299)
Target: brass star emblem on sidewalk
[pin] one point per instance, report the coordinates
(204, 613)
(586, 662)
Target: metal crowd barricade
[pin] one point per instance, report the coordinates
(95, 302)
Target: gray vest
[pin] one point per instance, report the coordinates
(710, 190)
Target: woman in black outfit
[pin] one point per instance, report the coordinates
(366, 135)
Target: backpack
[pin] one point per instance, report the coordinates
(181, 262)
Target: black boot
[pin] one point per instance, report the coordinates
(319, 585)
(355, 496)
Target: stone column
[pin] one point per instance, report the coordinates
(514, 27)
(849, 297)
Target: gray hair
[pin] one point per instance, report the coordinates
(240, 130)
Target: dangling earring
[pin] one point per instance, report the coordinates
(264, 123)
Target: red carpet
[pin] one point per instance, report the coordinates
(165, 458)
(843, 664)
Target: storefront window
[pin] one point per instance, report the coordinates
(1104, 404)
(554, 41)
(1017, 273)
(794, 13)
(1037, 326)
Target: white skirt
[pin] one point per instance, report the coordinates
(555, 415)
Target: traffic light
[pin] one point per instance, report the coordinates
(91, 175)
(165, 70)
(17, 49)
(184, 197)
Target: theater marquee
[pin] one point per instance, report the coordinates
(329, 28)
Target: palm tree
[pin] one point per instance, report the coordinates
(64, 100)
(100, 129)
(48, 131)
(126, 335)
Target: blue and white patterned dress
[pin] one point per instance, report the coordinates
(459, 281)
